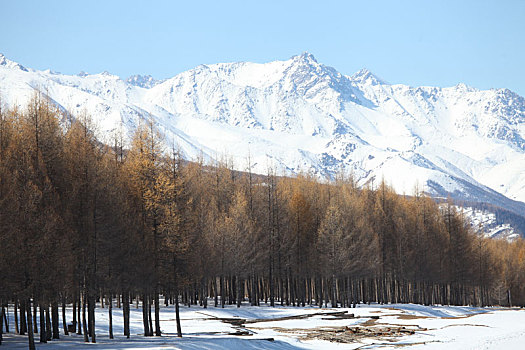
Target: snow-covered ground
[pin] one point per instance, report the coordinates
(435, 327)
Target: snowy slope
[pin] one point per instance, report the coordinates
(485, 223)
(300, 115)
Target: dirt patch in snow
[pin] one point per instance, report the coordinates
(355, 334)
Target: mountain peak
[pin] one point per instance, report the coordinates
(143, 81)
(462, 87)
(107, 74)
(365, 76)
(305, 57)
(4, 61)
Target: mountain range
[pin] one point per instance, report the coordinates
(300, 115)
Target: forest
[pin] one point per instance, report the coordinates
(86, 223)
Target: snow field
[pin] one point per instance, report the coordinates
(437, 327)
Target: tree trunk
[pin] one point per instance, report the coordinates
(64, 321)
(75, 312)
(334, 291)
(157, 314)
(149, 317)
(91, 310)
(35, 323)
(240, 291)
(23, 326)
(125, 311)
(48, 324)
(84, 323)
(270, 280)
(1, 323)
(88, 314)
(177, 315)
(55, 320)
(43, 337)
(76, 315)
(79, 306)
(205, 293)
(30, 335)
(145, 315)
(222, 292)
(215, 292)
(17, 329)
(110, 315)
(6, 312)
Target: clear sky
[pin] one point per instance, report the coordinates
(440, 43)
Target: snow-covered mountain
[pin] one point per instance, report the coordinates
(300, 115)
(485, 223)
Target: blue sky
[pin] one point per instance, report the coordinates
(441, 43)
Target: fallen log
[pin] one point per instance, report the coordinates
(239, 333)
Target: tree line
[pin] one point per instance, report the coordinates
(84, 222)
